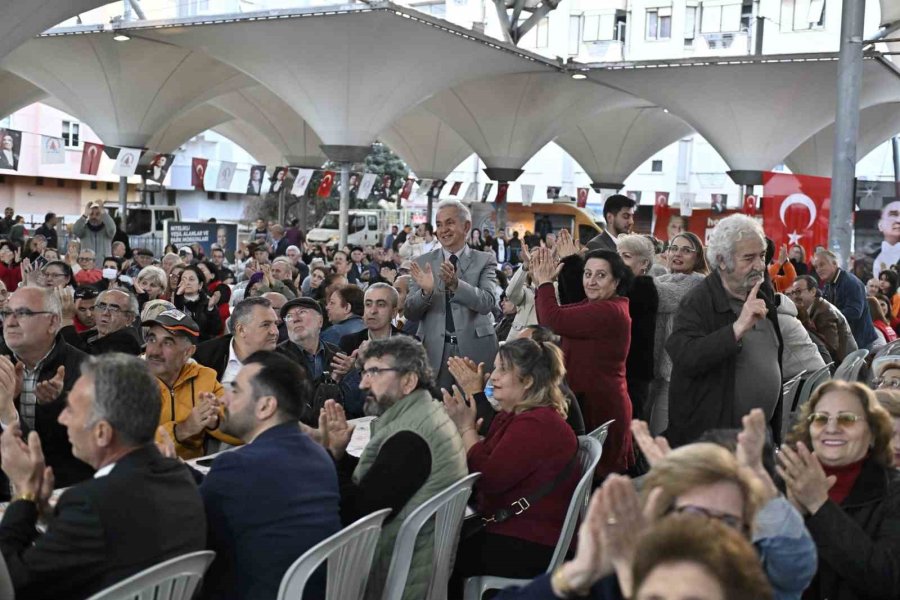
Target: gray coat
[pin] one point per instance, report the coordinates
(100, 241)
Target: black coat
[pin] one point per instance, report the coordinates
(214, 354)
(704, 363)
(207, 319)
(145, 511)
(324, 387)
(124, 340)
(858, 541)
(67, 469)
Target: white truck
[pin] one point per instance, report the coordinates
(367, 227)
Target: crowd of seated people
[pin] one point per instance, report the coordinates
(458, 350)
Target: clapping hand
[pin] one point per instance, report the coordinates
(423, 277)
(654, 448)
(388, 274)
(49, 390)
(566, 245)
(165, 444)
(462, 413)
(334, 429)
(750, 443)
(806, 482)
(341, 364)
(449, 276)
(467, 374)
(23, 463)
(214, 300)
(204, 414)
(544, 268)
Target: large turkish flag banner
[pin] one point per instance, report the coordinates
(326, 184)
(796, 209)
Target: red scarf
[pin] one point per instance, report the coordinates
(846, 478)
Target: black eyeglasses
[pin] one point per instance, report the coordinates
(21, 313)
(730, 520)
(374, 371)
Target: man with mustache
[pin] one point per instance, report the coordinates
(726, 344)
(844, 290)
(190, 392)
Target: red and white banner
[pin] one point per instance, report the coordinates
(326, 184)
(454, 189)
(582, 197)
(198, 172)
(366, 185)
(749, 205)
(796, 209)
(90, 158)
(407, 189)
(502, 189)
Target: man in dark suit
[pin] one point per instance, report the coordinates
(139, 510)
(279, 463)
(618, 211)
(452, 294)
(254, 327)
(114, 313)
(9, 157)
(46, 369)
(279, 241)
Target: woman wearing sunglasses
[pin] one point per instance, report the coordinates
(838, 469)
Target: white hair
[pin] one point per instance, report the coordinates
(462, 211)
(724, 238)
(637, 245)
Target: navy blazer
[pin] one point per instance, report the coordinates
(266, 504)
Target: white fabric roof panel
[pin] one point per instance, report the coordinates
(17, 93)
(890, 12)
(185, 126)
(350, 74)
(612, 144)
(126, 91)
(274, 119)
(507, 119)
(754, 113)
(249, 139)
(428, 145)
(23, 19)
(877, 124)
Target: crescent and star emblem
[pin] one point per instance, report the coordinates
(803, 200)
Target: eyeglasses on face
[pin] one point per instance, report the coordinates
(681, 250)
(843, 419)
(54, 275)
(113, 309)
(297, 315)
(85, 258)
(730, 520)
(21, 313)
(375, 371)
(887, 382)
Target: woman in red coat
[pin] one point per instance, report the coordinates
(596, 336)
(10, 267)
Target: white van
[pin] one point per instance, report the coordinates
(365, 229)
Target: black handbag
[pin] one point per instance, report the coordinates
(474, 524)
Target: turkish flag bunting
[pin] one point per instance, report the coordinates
(582, 198)
(454, 189)
(198, 172)
(90, 158)
(326, 184)
(796, 209)
(749, 205)
(502, 188)
(407, 189)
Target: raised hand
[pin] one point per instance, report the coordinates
(462, 413)
(214, 300)
(467, 374)
(49, 390)
(449, 276)
(753, 311)
(804, 477)
(423, 277)
(23, 463)
(544, 268)
(335, 430)
(654, 448)
(341, 365)
(565, 245)
(165, 444)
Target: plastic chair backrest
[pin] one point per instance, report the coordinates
(589, 452)
(810, 385)
(601, 432)
(889, 348)
(448, 508)
(349, 553)
(849, 369)
(175, 579)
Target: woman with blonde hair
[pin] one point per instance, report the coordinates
(839, 471)
(528, 448)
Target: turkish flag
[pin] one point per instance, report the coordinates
(749, 205)
(454, 189)
(502, 188)
(407, 189)
(661, 208)
(198, 172)
(90, 158)
(796, 209)
(326, 184)
(582, 197)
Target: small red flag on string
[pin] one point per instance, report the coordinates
(90, 158)
(326, 184)
(198, 172)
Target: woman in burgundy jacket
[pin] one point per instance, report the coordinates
(529, 450)
(596, 336)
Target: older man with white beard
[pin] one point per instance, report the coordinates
(726, 344)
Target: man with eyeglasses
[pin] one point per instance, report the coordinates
(831, 325)
(114, 314)
(326, 365)
(254, 327)
(413, 453)
(46, 368)
(88, 273)
(887, 372)
(96, 229)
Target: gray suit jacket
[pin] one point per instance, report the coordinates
(471, 306)
(603, 241)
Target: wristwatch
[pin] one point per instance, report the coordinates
(561, 586)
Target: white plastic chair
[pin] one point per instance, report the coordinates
(602, 432)
(7, 591)
(175, 579)
(589, 452)
(349, 553)
(853, 362)
(448, 508)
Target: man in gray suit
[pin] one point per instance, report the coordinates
(459, 278)
(618, 211)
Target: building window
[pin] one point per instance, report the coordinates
(38, 181)
(659, 24)
(690, 24)
(223, 196)
(574, 35)
(93, 185)
(721, 19)
(802, 15)
(61, 183)
(109, 186)
(210, 195)
(71, 134)
(656, 166)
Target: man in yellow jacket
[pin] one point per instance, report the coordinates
(190, 393)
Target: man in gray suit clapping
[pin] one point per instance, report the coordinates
(452, 294)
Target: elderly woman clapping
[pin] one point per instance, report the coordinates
(839, 472)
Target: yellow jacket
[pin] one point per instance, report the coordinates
(178, 401)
